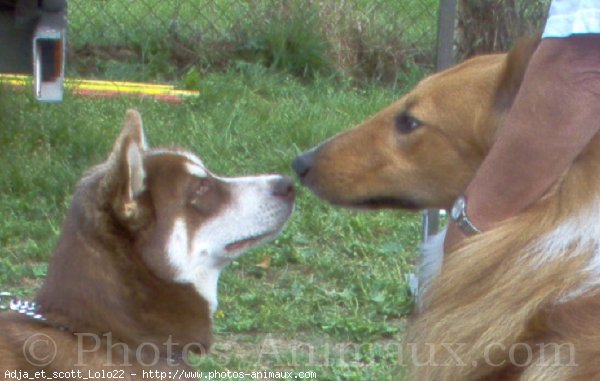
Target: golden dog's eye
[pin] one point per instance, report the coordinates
(406, 123)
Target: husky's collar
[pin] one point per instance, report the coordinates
(30, 310)
(27, 308)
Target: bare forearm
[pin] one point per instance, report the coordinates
(555, 114)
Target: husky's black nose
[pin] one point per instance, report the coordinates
(303, 163)
(283, 187)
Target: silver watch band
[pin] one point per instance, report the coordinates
(459, 216)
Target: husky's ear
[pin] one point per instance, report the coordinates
(125, 177)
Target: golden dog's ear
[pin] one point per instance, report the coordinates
(515, 65)
(125, 177)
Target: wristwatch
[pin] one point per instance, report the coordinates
(459, 216)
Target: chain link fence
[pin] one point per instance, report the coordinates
(149, 38)
(360, 39)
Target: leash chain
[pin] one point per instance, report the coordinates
(23, 307)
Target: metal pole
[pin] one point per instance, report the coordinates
(431, 223)
(445, 35)
(444, 59)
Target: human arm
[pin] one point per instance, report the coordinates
(555, 114)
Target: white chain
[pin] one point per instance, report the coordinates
(23, 307)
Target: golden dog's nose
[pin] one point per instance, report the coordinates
(302, 164)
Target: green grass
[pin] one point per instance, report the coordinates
(333, 299)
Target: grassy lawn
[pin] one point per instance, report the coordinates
(333, 298)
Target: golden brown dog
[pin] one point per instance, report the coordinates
(520, 302)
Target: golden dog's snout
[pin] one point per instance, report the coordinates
(303, 163)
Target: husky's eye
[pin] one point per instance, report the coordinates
(200, 188)
(406, 123)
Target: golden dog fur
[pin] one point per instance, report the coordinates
(520, 302)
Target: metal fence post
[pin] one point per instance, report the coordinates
(444, 59)
(445, 35)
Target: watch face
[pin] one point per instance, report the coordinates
(457, 209)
